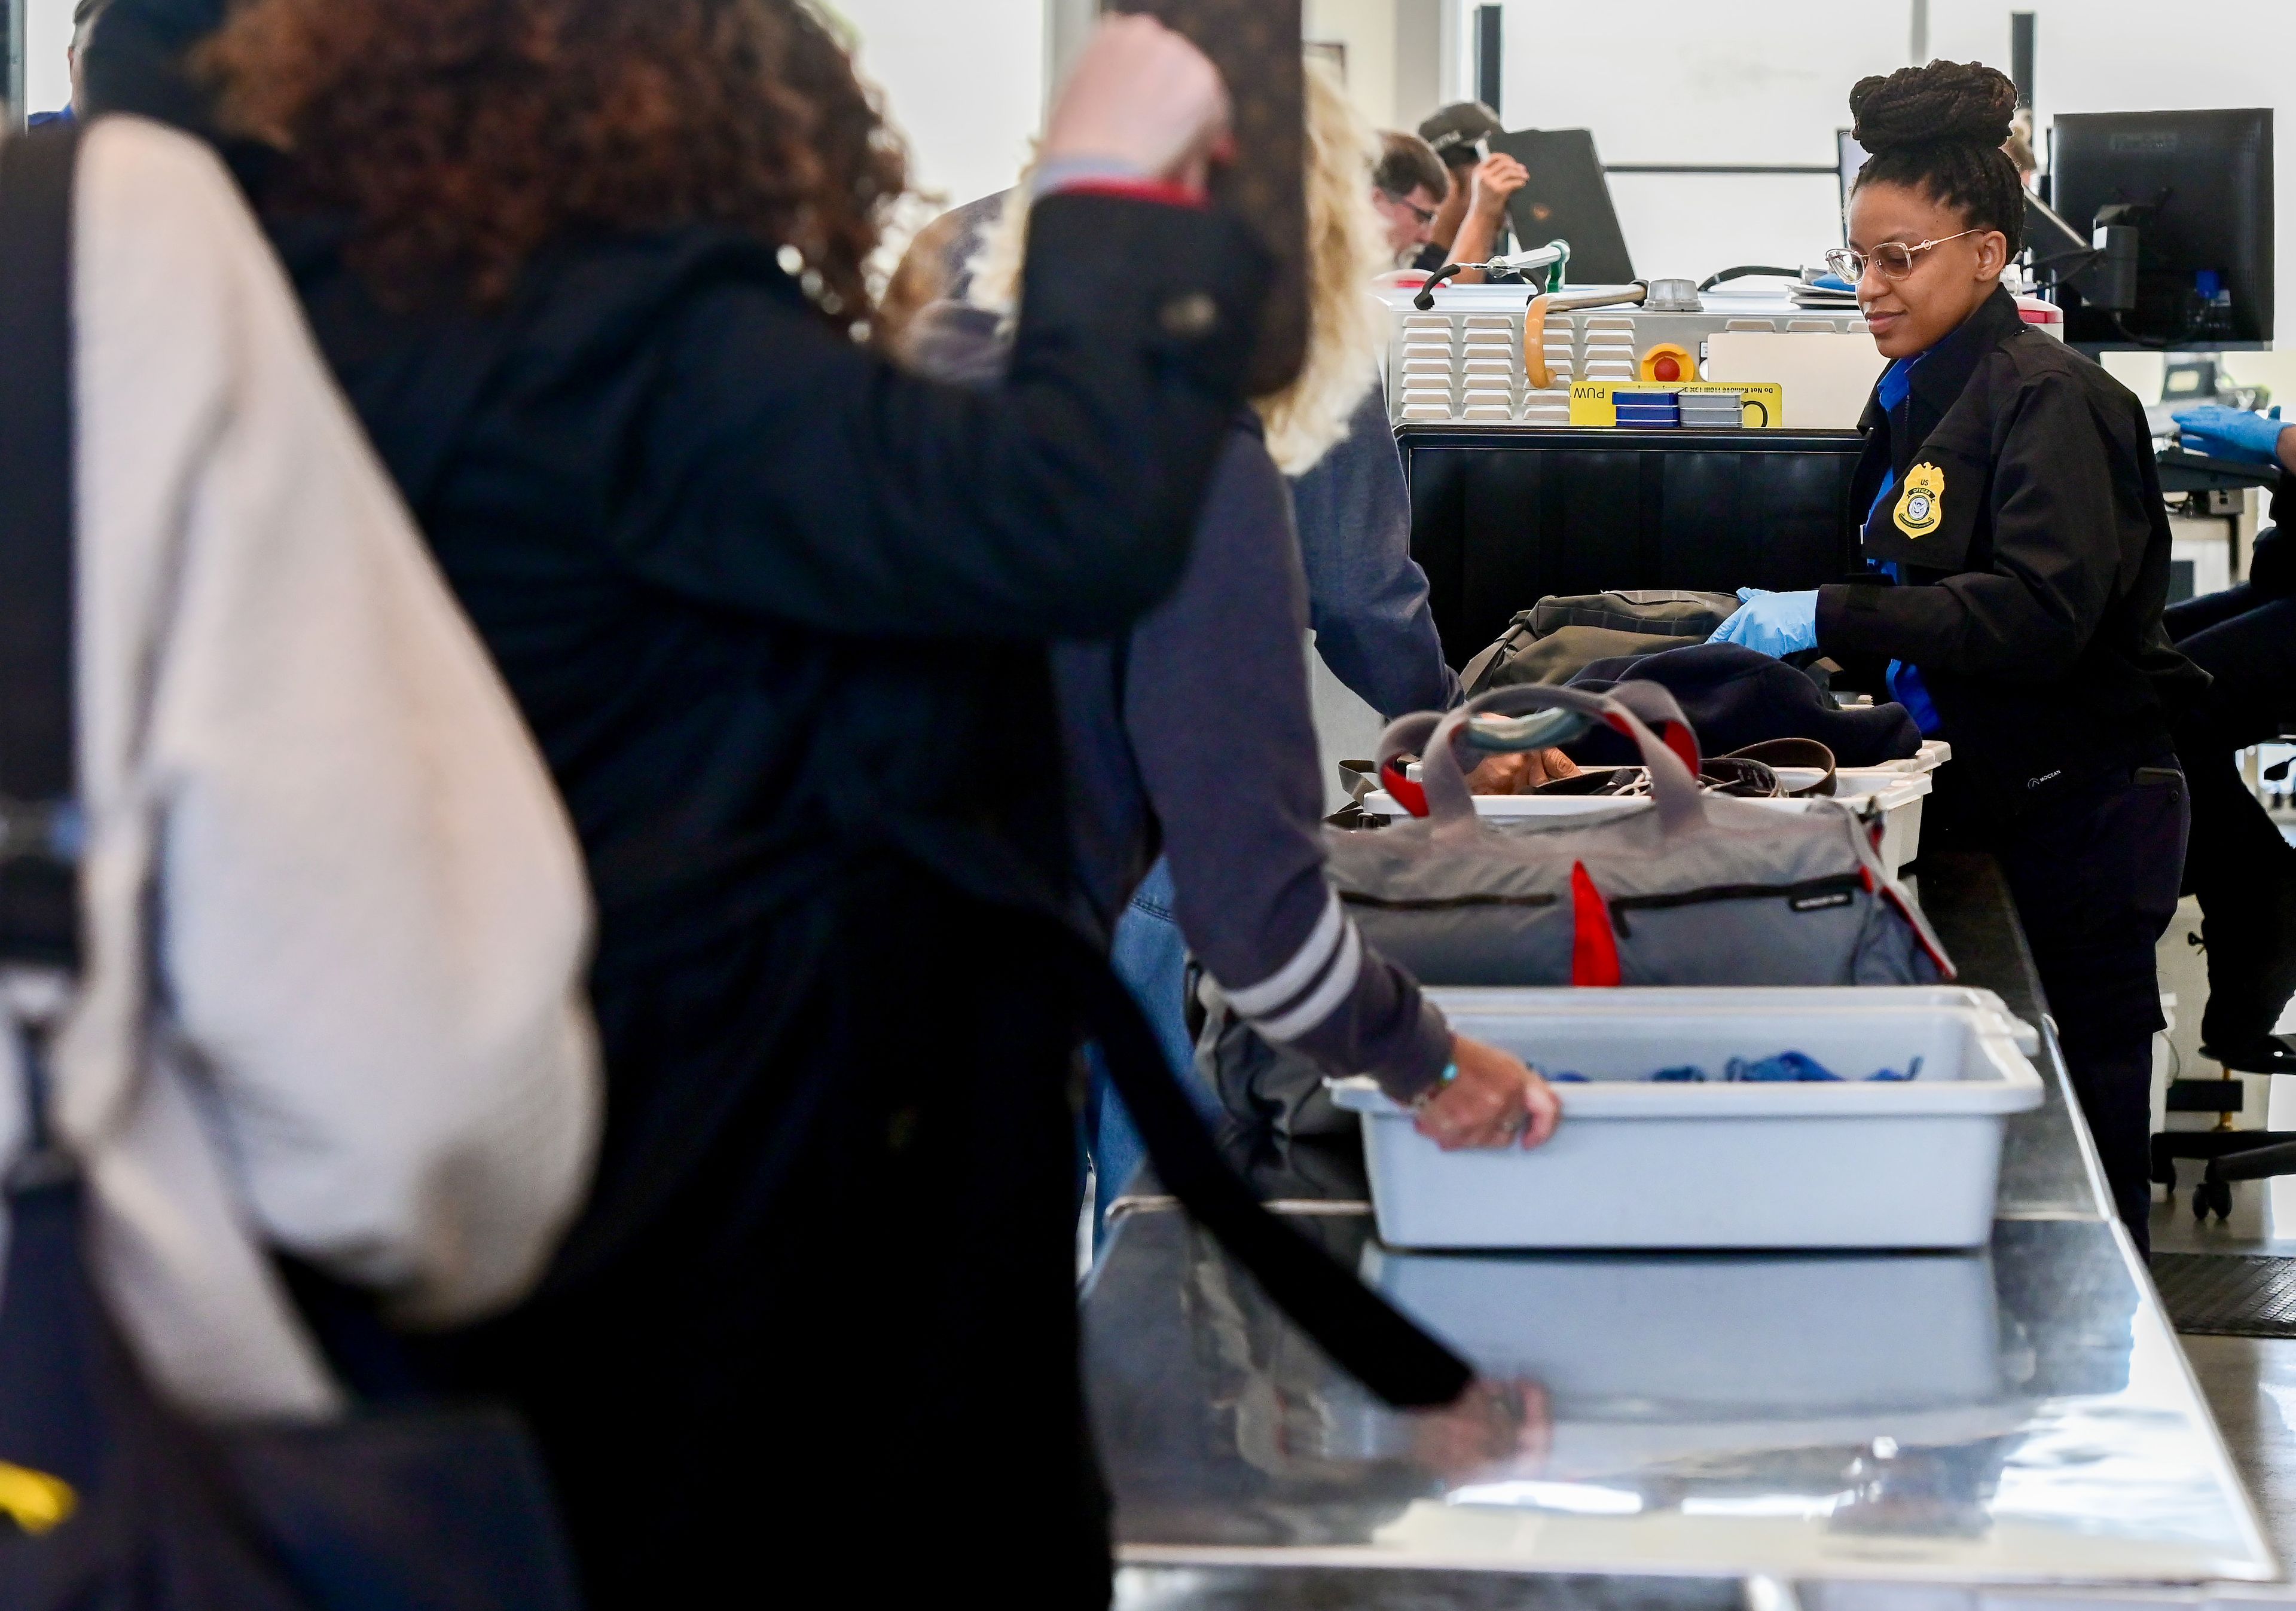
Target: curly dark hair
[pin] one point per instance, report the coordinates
(1939, 129)
(464, 136)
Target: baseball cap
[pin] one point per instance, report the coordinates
(1454, 131)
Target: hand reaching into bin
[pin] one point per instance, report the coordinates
(1524, 772)
(1489, 1099)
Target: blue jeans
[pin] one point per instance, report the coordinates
(1152, 958)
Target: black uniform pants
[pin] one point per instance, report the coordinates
(2096, 874)
(2243, 870)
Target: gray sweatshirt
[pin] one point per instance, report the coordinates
(1193, 736)
(1366, 595)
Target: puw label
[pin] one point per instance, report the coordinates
(1762, 404)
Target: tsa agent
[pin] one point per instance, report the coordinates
(2021, 556)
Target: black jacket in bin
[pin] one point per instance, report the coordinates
(2027, 524)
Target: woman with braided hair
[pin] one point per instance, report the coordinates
(2019, 560)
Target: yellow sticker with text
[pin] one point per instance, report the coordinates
(1921, 505)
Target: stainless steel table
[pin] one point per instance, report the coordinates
(2020, 1415)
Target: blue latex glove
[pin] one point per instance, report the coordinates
(1775, 624)
(2231, 433)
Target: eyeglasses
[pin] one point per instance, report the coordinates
(1895, 261)
(1425, 215)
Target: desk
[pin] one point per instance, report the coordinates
(2018, 1415)
(2211, 546)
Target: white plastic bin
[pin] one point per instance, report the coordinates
(1717, 1165)
(1935, 753)
(1899, 795)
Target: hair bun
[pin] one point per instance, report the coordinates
(1945, 103)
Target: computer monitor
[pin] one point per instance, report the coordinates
(1853, 158)
(1568, 198)
(2197, 186)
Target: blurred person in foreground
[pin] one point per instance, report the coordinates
(591, 273)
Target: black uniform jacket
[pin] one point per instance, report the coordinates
(770, 605)
(2027, 523)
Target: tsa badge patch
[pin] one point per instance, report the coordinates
(1921, 505)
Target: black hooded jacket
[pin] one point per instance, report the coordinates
(2027, 523)
(776, 612)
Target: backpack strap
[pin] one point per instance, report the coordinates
(1477, 672)
(39, 817)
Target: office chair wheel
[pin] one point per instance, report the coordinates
(2215, 1195)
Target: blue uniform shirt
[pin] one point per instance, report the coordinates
(1905, 681)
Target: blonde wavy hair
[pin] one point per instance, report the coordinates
(1346, 248)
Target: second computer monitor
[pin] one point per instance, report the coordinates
(2197, 185)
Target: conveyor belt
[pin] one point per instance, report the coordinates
(2023, 1415)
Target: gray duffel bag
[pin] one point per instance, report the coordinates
(1683, 888)
(1693, 888)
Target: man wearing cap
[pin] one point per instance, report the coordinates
(1471, 222)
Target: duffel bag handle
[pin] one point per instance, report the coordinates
(1443, 796)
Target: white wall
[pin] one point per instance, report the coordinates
(964, 80)
(1753, 81)
(1366, 27)
(1749, 82)
(47, 36)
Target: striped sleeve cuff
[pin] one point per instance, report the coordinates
(1350, 1010)
(1298, 997)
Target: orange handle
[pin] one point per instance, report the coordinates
(1534, 344)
